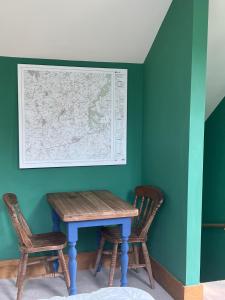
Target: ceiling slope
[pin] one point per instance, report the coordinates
(89, 30)
(103, 30)
(216, 55)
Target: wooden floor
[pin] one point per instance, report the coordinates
(49, 287)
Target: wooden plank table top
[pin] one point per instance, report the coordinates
(90, 205)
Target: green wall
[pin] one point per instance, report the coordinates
(174, 99)
(166, 98)
(213, 240)
(31, 185)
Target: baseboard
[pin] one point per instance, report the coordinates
(85, 260)
(173, 286)
(8, 268)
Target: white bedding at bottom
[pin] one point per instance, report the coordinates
(114, 293)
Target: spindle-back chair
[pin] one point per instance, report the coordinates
(33, 243)
(147, 199)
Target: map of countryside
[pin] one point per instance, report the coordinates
(71, 116)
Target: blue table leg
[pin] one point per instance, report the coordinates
(56, 228)
(125, 233)
(72, 240)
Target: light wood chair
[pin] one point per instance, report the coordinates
(148, 200)
(33, 243)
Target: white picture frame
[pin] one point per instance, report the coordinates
(33, 80)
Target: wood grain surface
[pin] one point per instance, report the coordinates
(90, 205)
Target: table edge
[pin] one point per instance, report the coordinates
(130, 213)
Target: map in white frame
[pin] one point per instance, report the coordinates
(71, 116)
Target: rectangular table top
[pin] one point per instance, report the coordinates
(90, 205)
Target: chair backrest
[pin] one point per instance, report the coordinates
(22, 229)
(148, 199)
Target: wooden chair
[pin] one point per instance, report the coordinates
(33, 243)
(148, 200)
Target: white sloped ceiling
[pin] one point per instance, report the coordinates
(102, 30)
(89, 30)
(216, 55)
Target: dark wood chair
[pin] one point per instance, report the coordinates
(33, 243)
(148, 200)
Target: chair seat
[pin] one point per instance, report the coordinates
(112, 234)
(47, 242)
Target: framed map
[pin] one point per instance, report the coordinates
(71, 116)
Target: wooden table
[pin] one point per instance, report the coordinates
(88, 209)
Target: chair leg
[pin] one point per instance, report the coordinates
(136, 257)
(148, 264)
(97, 267)
(22, 276)
(47, 267)
(113, 264)
(19, 268)
(64, 268)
